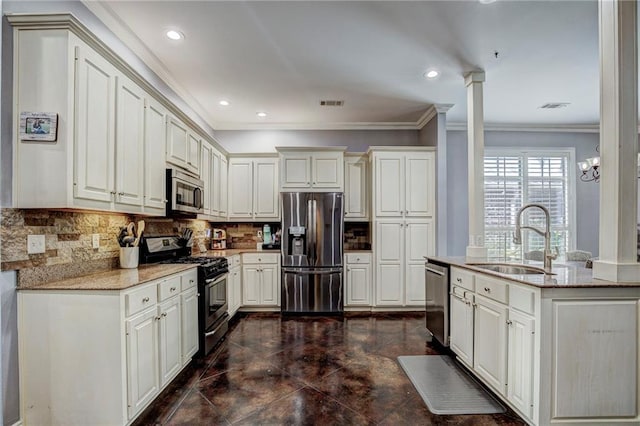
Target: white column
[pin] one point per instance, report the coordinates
(618, 142)
(441, 168)
(475, 155)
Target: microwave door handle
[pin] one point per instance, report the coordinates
(197, 198)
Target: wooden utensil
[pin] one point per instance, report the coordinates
(140, 231)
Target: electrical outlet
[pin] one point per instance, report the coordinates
(95, 241)
(35, 244)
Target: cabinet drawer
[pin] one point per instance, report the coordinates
(462, 292)
(492, 288)
(260, 257)
(363, 258)
(169, 287)
(234, 261)
(462, 278)
(522, 299)
(138, 300)
(189, 279)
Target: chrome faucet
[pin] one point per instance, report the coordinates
(517, 235)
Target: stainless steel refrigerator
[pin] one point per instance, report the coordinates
(312, 234)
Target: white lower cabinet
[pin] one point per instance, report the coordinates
(520, 355)
(490, 342)
(101, 357)
(234, 285)
(461, 328)
(357, 284)
(261, 279)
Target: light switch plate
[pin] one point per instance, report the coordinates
(95, 241)
(35, 244)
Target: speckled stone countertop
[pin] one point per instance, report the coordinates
(566, 275)
(116, 279)
(233, 252)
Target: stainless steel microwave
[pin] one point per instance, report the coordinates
(185, 193)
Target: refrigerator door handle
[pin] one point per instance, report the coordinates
(309, 272)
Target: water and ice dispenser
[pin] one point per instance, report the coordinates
(297, 241)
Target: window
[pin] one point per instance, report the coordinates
(513, 178)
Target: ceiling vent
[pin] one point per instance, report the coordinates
(332, 103)
(555, 105)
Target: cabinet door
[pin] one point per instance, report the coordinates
(355, 189)
(95, 127)
(129, 143)
(215, 183)
(206, 174)
(193, 153)
(233, 284)
(250, 285)
(155, 135)
(269, 285)
(240, 188)
(327, 171)
(389, 185)
(419, 184)
(266, 194)
(461, 327)
(189, 302)
(142, 360)
(419, 242)
(177, 134)
(490, 342)
(170, 340)
(358, 285)
(296, 171)
(520, 362)
(224, 169)
(389, 249)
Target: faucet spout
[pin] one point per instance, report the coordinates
(517, 234)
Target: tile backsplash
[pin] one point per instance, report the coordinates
(68, 237)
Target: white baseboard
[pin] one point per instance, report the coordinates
(18, 423)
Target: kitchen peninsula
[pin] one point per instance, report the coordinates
(556, 348)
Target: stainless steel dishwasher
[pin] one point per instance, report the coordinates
(437, 295)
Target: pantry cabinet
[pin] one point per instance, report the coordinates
(253, 188)
(147, 335)
(303, 169)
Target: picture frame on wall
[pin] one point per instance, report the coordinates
(38, 126)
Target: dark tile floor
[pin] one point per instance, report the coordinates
(308, 371)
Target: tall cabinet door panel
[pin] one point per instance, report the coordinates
(419, 184)
(129, 143)
(520, 362)
(389, 186)
(206, 175)
(355, 189)
(142, 360)
(461, 332)
(189, 312)
(490, 344)
(240, 188)
(155, 165)
(389, 241)
(170, 340)
(389, 284)
(177, 134)
(224, 170)
(215, 183)
(267, 203)
(95, 127)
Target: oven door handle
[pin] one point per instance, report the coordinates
(433, 271)
(315, 272)
(216, 279)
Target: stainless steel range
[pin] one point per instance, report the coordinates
(213, 318)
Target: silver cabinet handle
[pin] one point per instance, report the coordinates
(121, 193)
(509, 322)
(156, 318)
(459, 279)
(145, 300)
(164, 314)
(165, 201)
(172, 289)
(487, 289)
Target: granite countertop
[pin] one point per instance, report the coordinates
(566, 275)
(233, 252)
(115, 279)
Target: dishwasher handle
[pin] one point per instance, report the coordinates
(433, 271)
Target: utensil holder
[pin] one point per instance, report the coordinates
(129, 257)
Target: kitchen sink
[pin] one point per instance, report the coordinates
(509, 268)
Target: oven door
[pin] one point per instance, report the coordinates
(215, 300)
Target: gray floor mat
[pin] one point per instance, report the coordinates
(445, 388)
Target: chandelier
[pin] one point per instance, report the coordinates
(590, 168)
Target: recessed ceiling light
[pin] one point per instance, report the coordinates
(224, 103)
(175, 35)
(431, 74)
(261, 114)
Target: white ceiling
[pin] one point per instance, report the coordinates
(284, 57)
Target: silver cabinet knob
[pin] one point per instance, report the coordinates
(459, 279)
(487, 289)
(121, 193)
(172, 289)
(145, 300)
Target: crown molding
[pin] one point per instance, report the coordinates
(528, 127)
(317, 126)
(426, 117)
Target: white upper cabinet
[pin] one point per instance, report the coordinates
(224, 170)
(155, 136)
(206, 172)
(216, 184)
(356, 188)
(253, 188)
(311, 169)
(193, 153)
(95, 127)
(183, 146)
(404, 183)
(213, 172)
